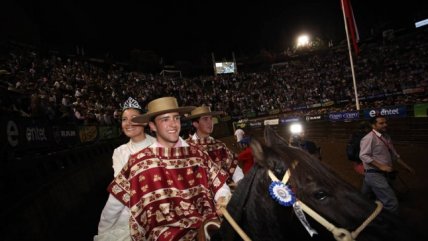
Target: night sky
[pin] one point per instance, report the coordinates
(185, 29)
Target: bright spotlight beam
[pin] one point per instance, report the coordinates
(296, 128)
(302, 40)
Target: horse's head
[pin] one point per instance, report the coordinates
(314, 184)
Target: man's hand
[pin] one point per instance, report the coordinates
(408, 168)
(221, 202)
(232, 185)
(385, 168)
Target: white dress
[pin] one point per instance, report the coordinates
(114, 221)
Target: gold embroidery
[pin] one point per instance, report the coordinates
(149, 212)
(126, 197)
(166, 234)
(164, 207)
(216, 182)
(144, 218)
(159, 216)
(141, 178)
(116, 189)
(178, 211)
(156, 178)
(184, 205)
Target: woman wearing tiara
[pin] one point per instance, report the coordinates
(114, 221)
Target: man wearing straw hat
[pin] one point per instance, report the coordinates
(171, 187)
(202, 121)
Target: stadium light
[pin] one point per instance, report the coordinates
(296, 128)
(303, 41)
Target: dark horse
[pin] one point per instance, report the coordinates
(263, 218)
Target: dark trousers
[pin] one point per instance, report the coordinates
(379, 184)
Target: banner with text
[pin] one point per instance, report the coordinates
(344, 116)
(392, 111)
(421, 110)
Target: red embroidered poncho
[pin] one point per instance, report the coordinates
(170, 192)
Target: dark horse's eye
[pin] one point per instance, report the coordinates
(320, 195)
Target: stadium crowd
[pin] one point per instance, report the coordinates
(72, 89)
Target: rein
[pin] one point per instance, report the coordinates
(234, 225)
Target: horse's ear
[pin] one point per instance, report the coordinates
(257, 149)
(272, 138)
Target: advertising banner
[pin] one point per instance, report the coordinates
(241, 125)
(65, 134)
(12, 133)
(88, 133)
(272, 122)
(313, 117)
(28, 133)
(392, 111)
(286, 120)
(22, 134)
(274, 112)
(421, 110)
(256, 124)
(344, 116)
(108, 132)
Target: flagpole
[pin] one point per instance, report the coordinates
(357, 103)
(213, 59)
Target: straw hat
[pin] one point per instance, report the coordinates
(161, 106)
(202, 111)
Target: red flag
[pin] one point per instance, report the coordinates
(352, 26)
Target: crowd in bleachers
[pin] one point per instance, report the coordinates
(73, 89)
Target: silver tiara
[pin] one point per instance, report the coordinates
(131, 103)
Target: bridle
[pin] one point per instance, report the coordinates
(340, 234)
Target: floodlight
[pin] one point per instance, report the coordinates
(303, 40)
(296, 128)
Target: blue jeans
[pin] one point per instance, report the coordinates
(381, 187)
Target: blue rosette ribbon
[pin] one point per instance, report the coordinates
(282, 193)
